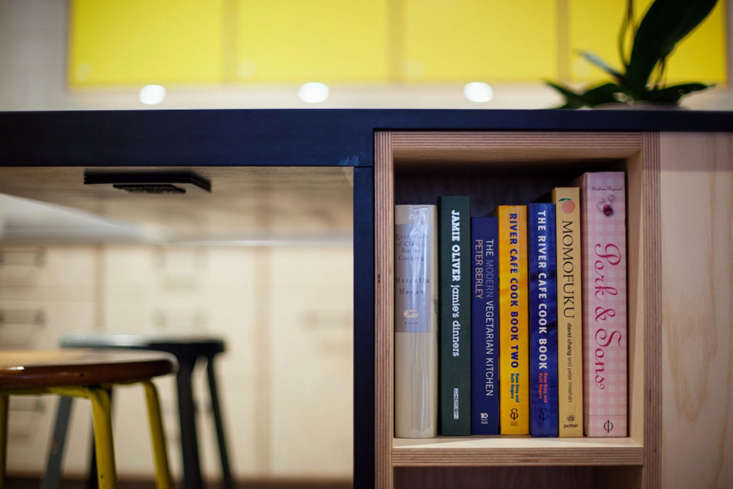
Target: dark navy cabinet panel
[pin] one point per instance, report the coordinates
(305, 137)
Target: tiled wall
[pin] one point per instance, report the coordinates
(285, 382)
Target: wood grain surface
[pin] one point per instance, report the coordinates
(244, 203)
(697, 307)
(384, 309)
(511, 451)
(494, 477)
(53, 368)
(518, 148)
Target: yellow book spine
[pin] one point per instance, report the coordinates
(513, 321)
(569, 311)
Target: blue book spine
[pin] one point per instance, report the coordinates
(542, 320)
(484, 326)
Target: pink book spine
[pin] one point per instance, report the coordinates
(605, 337)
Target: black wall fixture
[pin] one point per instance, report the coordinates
(149, 182)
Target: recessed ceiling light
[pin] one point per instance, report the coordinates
(152, 94)
(478, 92)
(313, 92)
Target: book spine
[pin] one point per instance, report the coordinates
(416, 321)
(569, 311)
(542, 320)
(604, 303)
(513, 333)
(455, 316)
(484, 322)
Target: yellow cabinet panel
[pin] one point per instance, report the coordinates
(594, 27)
(311, 40)
(155, 41)
(467, 40)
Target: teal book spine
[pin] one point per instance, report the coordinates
(455, 316)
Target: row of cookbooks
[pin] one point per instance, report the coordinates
(513, 323)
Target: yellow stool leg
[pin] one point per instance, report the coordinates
(3, 436)
(157, 436)
(104, 448)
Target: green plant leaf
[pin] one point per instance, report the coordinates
(600, 94)
(597, 61)
(664, 24)
(573, 100)
(672, 95)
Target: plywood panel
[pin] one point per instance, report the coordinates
(697, 310)
(511, 148)
(494, 477)
(384, 310)
(644, 305)
(505, 451)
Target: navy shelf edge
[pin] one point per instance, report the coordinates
(283, 137)
(298, 137)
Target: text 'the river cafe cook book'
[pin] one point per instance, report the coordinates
(604, 303)
(416, 321)
(542, 320)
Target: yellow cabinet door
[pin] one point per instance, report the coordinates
(467, 40)
(137, 42)
(295, 41)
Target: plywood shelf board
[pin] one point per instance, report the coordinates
(479, 442)
(516, 477)
(522, 148)
(508, 457)
(509, 451)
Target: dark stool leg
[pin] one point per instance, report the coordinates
(52, 477)
(226, 473)
(187, 416)
(92, 481)
(4, 406)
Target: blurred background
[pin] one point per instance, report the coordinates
(270, 269)
(57, 54)
(264, 261)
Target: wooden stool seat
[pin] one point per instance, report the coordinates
(34, 369)
(89, 374)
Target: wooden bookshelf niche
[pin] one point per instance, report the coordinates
(518, 167)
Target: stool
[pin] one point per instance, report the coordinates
(187, 350)
(88, 374)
